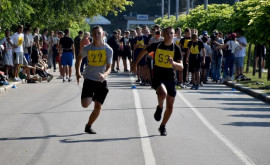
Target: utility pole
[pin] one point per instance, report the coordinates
(169, 8)
(188, 5)
(177, 9)
(205, 4)
(162, 9)
(192, 4)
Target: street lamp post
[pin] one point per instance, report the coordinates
(205, 4)
(177, 9)
(169, 8)
(188, 5)
(162, 9)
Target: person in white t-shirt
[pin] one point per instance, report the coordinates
(20, 59)
(234, 47)
(240, 55)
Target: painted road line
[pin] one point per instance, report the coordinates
(240, 154)
(148, 154)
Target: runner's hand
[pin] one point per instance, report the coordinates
(78, 77)
(102, 77)
(171, 60)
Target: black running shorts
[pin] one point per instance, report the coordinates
(97, 90)
(170, 86)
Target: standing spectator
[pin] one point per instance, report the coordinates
(7, 53)
(77, 42)
(35, 47)
(240, 55)
(27, 44)
(183, 43)
(114, 44)
(68, 51)
(233, 47)
(85, 41)
(217, 56)
(260, 49)
(45, 44)
(208, 57)
(126, 54)
(18, 39)
(194, 59)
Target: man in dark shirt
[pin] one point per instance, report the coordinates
(67, 49)
(77, 43)
(167, 58)
(183, 44)
(114, 44)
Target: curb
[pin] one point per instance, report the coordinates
(254, 93)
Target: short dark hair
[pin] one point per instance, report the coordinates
(80, 32)
(66, 31)
(167, 28)
(204, 39)
(176, 29)
(187, 30)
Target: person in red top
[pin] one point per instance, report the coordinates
(85, 41)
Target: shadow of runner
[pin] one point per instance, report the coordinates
(104, 140)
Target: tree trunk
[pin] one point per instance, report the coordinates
(260, 60)
(248, 60)
(268, 62)
(254, 63)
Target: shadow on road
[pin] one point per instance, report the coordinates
(38, 137)
(249, 124)
(104, 140)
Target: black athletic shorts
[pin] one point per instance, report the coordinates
(97, 90)
(170, 86)
(34, 56)
(194, 63)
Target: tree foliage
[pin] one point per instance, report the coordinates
(57, 13)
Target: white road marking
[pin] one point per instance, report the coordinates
(149, 157)
(240, 154)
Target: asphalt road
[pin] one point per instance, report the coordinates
(43, 124)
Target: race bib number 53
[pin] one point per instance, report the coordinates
(162, 58)
(96, 57)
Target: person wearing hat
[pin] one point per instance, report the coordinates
(234, 47)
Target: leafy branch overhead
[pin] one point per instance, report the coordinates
(56, 13)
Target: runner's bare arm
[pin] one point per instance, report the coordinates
(73, 50)
(140, 56)
(77, 67)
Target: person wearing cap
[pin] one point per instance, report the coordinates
(217, 56)
(233, 47)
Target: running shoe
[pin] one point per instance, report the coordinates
(162, 130)
(158, 113)
(69, 80)
(30, 81)
(196, 87)
(193, 86)
(49, 78)
(89, 130)
(64, 80)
